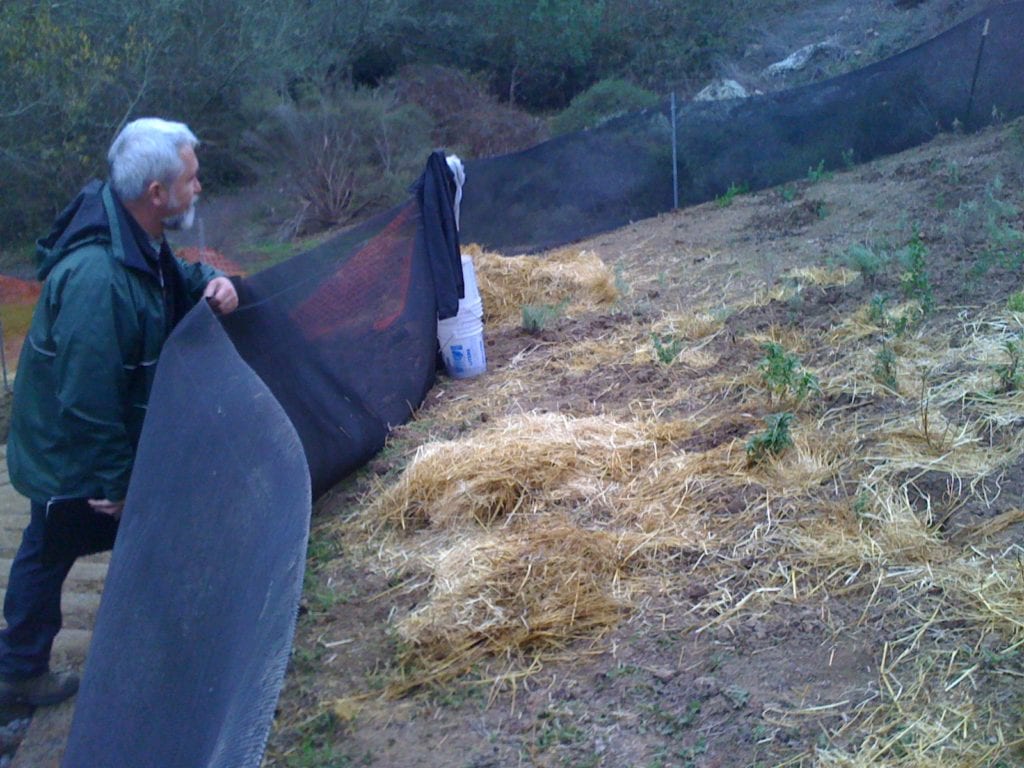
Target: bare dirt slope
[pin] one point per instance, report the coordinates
(788, 619)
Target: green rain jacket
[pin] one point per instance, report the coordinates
(90, 355)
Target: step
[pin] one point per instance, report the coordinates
(78, 608)
(85, 573)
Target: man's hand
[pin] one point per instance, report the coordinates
(108, 507)
(221, 294)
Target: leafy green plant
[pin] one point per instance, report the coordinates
(814, 175)
(667, 348)
(537, 317)
(884, 370)
(1011, 373)
(915, 281)
(782, 374)
(876, 310)
(773, 441)
(734, 191)
(1015, 302)
(788, 192)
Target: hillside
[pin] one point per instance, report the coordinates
(686, 599)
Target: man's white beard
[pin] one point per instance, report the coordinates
(183, 220)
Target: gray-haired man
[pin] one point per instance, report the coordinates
(112, 293)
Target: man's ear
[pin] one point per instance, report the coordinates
(156, 195)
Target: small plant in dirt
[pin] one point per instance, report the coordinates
(734, 191)
(814, 175)
(621, 283)
(1011, 373)
(537, 317)
(788, 193)
(1015, 302)
(915, 281)
(849, 157)
(783, 374)
(773, 441)
(876, 310)
(667, 348)
(865, 260)
(884, 370)
(935, 441)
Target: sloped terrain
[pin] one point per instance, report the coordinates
(763, 509)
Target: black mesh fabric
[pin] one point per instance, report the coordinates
(589, 182)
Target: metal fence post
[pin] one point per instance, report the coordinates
(675, 164)
(974, 79)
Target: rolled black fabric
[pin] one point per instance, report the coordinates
(197, 617)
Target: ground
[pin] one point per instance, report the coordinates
(676, 679)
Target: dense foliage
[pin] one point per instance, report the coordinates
(75, 71)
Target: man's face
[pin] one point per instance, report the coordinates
(184, 193)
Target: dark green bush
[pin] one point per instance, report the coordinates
(603, 100)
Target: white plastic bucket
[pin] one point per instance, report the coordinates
(462, 337)
(462, 345)
(469, 278)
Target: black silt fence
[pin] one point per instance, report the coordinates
(588, 182)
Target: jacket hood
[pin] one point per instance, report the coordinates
(95, 215)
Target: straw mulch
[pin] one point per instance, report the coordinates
(538, 532)
(533, 533)
(571, 279)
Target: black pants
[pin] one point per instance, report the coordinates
(32, 605)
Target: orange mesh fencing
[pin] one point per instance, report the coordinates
(17, 302)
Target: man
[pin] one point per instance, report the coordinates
(112, 293)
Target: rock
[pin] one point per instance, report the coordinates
(721, 89)
(804, 56)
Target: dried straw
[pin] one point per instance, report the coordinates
(578, 278)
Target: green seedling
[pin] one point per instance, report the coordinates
(734, 191)
(773, 441)
(537, 317)
(1011, 373)
(865, 260)
(884, 369)
(667, 348)
(914, 281)
(814, 175)
(783, 376)
(1015, 303)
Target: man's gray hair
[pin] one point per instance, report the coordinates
(147, 150)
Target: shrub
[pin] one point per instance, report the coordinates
(603, 100)
(345, 157)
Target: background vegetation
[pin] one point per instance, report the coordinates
(365, 86)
